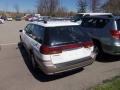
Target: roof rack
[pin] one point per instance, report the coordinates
(100, 16)
(44, 21)
(54, 19)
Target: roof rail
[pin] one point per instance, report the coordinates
(44, 21)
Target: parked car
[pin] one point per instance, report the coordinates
(27, 17)
(105, 32)
(4, 17)
(9, 18)
(78, 17)
(44, 18)
(57, 46)
(34, 18)
(1, 21)
(18, 18)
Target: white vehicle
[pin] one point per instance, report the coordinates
(1, 21)
(34, 18)
(57, 46)
(37, 15)
(9, 18)
(79, 16)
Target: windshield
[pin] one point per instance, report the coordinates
(64, 35)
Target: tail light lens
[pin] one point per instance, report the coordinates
(115, 34)
(88, 44)
(50, 50)
(44, 49)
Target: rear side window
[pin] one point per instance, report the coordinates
(39, 32)
(118, 24)
(64, 35)
(94, 23)
(29, 28)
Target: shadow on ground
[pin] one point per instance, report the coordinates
(106, 58)
(39, 75)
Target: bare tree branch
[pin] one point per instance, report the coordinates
(17, 8)
(96, 5)
(82, 6)
(112, 6)
(48, 7)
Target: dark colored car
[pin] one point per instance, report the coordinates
(105, 32)
(18, 18)
(4, 17)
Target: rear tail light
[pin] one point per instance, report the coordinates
(115, 34)
(44, 49)
(88, 44)
(50, 50)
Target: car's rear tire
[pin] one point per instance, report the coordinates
(98, 47)
(33, 62)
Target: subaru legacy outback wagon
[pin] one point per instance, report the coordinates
(105, 32)
(57, 46)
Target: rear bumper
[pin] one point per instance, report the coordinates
(111, 49)
(67, 66)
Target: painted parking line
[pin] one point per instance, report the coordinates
(8, 44)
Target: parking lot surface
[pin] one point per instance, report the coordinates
(16, 73)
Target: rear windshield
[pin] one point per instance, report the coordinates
(118, 24)
(64, 35)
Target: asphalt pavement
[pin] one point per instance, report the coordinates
(16, 72)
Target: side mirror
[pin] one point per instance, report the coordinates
(20, 30)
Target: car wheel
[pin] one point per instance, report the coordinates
(20, 39)
(98, 47)
(96, 50)
(21, 42)
(33, 62)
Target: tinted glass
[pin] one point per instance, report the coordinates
(94, 22)
(28, 28)
(38, 32)
(64, 35)
(78, 17)
(118, 24)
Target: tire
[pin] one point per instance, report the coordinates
(21, 43)
(33, 62)
(98, 47)
(21, 40)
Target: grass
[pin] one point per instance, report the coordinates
(113, 84)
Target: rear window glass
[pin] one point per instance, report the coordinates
(64, 35)
(118, 24)
(94, 22)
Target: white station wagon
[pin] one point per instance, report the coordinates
(57, 46)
